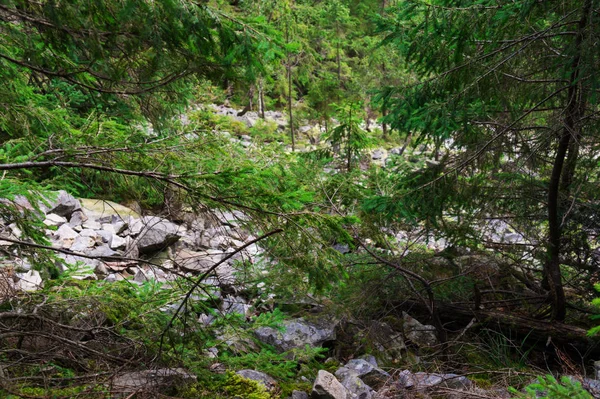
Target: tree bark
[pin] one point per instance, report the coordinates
(556, 192)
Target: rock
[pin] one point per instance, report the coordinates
(91, 224)
(299, 395)
(370, 359)
(388, 344)
(421, 381)
(357, 389)
(88, 233)
(53, 219)
(64, 205)
(377, 155)
(117, 242)
(264, 379)
(65, 232)
(104, 237)
(419, 334)
(30, 281)
(149, 381)
(326, 386)
(102, 251)
(298, 333)
(371, 375)
(234, 304)
(342, 248)
(81, 244)
(77, 218)
(97, 209)
(157, 234)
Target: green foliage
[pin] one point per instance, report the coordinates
(549, 387)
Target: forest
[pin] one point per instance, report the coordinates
(261, 199)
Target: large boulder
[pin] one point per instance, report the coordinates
(157, 234)
(326, 386)
(298, 333)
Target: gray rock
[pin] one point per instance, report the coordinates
(77, 218)
(371, 375)
(342, 248)
(266, 380)
(53, 219)
(234, 304)
(106, 238)
(65, 232)
(117, 242)
(298, 333)
(356, 387)
(370, 359)
(157, 234)
(82, 244)
(64, 205)
(88, 233)
(421, 381)
(102, 251)
(377, 155)
(91, 224)
(419, 334)
(30, 281)
(326, 386)
(149, 381)
(299, 395)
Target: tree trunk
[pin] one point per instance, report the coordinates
(289, 96)
(556, 194)
(261, 99)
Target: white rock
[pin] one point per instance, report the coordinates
(66, 232)
(82, 243)
(30, 281)
(53, 219)
(118, 242)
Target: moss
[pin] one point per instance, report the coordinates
(244, 388)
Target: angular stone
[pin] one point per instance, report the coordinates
(371, 375)
(81, 244)
(356, 387)
(91, 224)
(149, 381)
(326, 386)
(264, 379)
(419, 334)
(77, 218)
(234, 304)
(30, 281)
(53, 219)
(117, 242)
(298, 333)
(157, 234)
(65, 204)
(103, 251)
(105, 237)
(66, 232)
(299, 395)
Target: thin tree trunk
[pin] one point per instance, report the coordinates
(556, 201)
(289, 96)
(261, 99)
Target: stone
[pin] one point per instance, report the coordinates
(91, 224)
(64, 205)
(81, 244)
(422, 380)
(264, 379)
(157, 234)
(299, 395)
(371, 375)
(149, 381)
(97, 209)
(102, 251)
(356, 387)
(419, 334)
(235, 305)
(298, 333)
(342, 248)
(88, 233)
(117, 242)
(77, 218)
(377, 155)
(30, 281)
(53, 219)
(108, 227)
(105, 237)
(326, 386)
